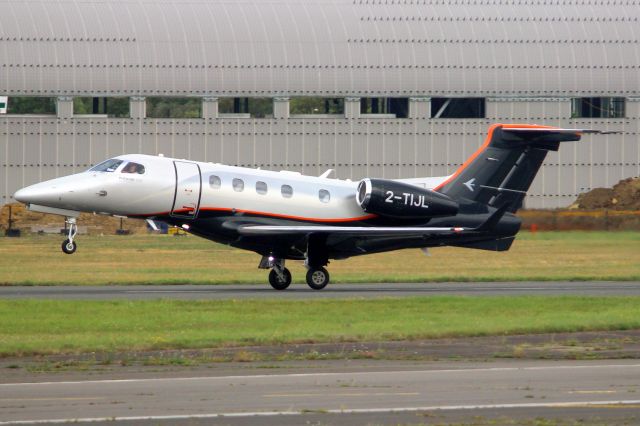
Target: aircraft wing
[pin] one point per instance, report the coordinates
(363, 231)
(372, 231)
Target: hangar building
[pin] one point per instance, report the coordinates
(378, 88)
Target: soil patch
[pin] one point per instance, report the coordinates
(556, 346)
(32, 222)
(625, 195)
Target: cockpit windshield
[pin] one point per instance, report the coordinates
(107, 166)
(133, 168)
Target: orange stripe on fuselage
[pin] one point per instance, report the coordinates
(485, 144)
(276, 215)
(284, 216)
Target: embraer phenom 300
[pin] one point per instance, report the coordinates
(286, 215)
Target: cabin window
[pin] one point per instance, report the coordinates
(261, 188)
(287, 191)
(215, 182)
(107, 166)
(133, 168)
(238, 185)
(324, 196)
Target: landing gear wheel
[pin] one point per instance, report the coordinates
(317, 279)
(69, 247)
(280, 281)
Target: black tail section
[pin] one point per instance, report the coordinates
(501, 171)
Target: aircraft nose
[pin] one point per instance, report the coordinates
(22, 195)
(35, 194)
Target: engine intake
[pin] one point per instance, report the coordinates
(399, 200)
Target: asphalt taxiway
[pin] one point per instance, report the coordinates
(397, 391)
(301, 291)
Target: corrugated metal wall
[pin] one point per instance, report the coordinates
(513, 52)
(42, 148)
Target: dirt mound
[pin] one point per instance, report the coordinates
(28, 221)
(625, 195)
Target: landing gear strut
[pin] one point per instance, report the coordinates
(69, 246)
(279, 277)
(316, 260)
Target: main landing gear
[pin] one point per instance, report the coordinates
(69, 246)
(317, 278)
(280, 277)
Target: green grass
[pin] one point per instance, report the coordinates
(152, 259)
(50, 327)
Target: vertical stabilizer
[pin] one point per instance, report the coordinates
(501, 171)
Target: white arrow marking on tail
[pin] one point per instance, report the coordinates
(470, 184)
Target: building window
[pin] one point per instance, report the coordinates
(324, 196)
(111, 107)
(312, 105)
(261, 188)
(597, 108)
(255, 107)
(215, 182)
(287, 191)
(458, 108)
(174, 107)
(393, 106)
(238, 185)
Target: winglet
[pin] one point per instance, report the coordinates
(492, 220)
(326, 174)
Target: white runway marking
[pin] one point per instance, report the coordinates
(360, 373)
(341, 411)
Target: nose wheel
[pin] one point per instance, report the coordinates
(69, 246)
(279, 277)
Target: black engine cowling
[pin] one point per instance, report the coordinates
(399, 200)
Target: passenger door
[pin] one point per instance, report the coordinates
(188, 190)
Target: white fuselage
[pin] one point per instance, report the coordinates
(186, 188)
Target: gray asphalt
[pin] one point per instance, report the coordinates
(299, 291)
(245, 397)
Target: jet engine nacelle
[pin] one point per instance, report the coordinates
(399, 200)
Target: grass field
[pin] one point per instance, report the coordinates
(50, 327)
(154, 259)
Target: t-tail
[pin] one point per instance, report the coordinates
(501, 171)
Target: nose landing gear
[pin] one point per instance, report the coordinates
(279, 277)
(69, 246)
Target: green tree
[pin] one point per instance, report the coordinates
(31, 105)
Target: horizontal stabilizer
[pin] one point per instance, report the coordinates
(534, 130)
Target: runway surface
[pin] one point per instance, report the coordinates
(388, 389)
(300, 291)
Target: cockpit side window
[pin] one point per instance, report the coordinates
(134, 168)
(107, 166)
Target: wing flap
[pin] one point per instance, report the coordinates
(267, 230)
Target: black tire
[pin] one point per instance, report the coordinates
(317, 279)
(278, 283)
(69, 247)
